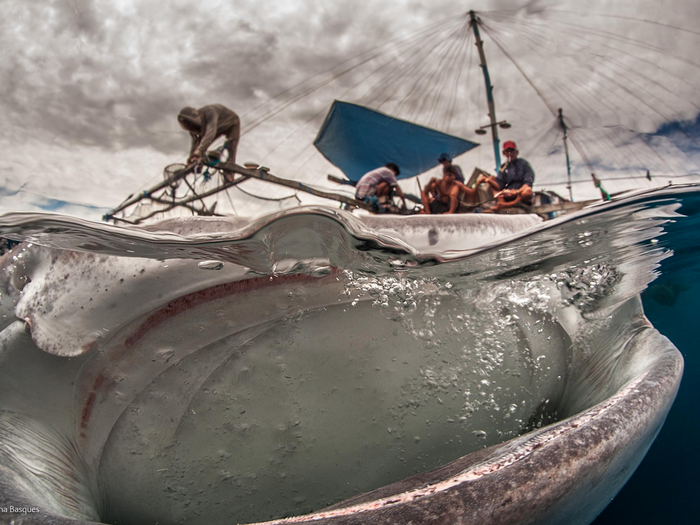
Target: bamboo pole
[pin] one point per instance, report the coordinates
(474, 22)
(263, 174)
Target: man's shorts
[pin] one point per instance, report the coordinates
(372, 201)
(438, 208)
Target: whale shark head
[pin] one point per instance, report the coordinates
(309, 368)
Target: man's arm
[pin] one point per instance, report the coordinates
(528, 174)
(400, 194)
(425, 196)
(456, 189)
(454, 200)
(194, 139)
(491, 181)
(524, 193)
(429, 188)
(210, 119)
(463, 188)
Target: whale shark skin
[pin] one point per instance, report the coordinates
(77, 385)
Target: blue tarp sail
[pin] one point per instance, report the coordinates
(357, 139)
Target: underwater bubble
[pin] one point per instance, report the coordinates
(164, 356)
(295, 313)
(210, 265)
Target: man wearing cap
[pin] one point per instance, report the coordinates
(446, 161)
(207, 124)
(514, 180)
(379, 183)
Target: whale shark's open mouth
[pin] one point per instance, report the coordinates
(137, 390)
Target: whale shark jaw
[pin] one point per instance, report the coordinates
(137, 390)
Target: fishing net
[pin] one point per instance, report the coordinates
(170, 172)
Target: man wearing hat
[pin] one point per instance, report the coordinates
(514, 180)
(446, 161)
(207, 124)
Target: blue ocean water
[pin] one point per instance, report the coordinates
(665, 486)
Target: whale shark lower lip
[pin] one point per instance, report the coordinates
(152, 391)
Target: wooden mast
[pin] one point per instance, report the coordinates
(566, 151)
(489, 89)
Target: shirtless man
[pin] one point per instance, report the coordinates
(442, 196)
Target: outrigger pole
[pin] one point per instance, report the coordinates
(566, 151)
(489, 89)
(228, 168)
(263, 174)
(146, 194)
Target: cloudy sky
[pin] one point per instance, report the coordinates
(90, 88)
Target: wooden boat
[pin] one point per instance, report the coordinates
(355, 139)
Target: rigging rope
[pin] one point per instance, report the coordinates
(436, 80)
(387, 83)
(271, 113)
(457, 83)
(577, 33)
(385, 44)
(443, 72)
(323, 110)
(416, 90)
(279, 199)
(403, 71)
(525, 76)
(567, 93)
(635, 19)
(450, 83)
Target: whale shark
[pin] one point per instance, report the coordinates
(313, 367)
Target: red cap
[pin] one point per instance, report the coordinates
(509, 144)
